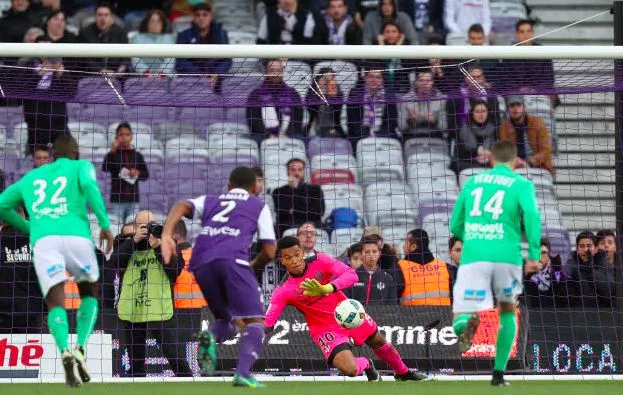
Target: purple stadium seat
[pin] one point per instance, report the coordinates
(153, 201)
(238, 88)
(193, 91)
(175, 173)
(428, 207)
(328, 145)
(146, 91)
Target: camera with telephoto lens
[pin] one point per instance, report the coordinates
(154, 229)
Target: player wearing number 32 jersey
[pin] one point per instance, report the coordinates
(487, 217)
(55, 196)
(314, 287)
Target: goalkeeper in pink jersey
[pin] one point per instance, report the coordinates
(314, 286)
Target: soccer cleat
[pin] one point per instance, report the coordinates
(411, 375)
(498, 379)
(81, 364)
(466, 337)
(371, 373)
(72, 378)
(249, 382)
(207, 352)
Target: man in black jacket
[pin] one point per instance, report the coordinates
(146, 297)
(290, 24)
(104, 31)
(127, 167)
(297, 202)
(375, 286)
(16, 20)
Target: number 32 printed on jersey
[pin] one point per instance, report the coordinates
(493, 205)
(56, 205)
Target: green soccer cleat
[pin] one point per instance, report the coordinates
(207, 352)
(250, 382)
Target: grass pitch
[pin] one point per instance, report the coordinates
(326, 388)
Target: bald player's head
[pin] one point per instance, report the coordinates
(144, 217)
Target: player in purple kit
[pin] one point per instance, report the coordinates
(221, 263)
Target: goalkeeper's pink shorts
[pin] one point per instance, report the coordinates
(331, 336)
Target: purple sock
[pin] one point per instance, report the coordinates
(250, 348)
(223, 330)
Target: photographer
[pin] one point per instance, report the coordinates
(146, 297)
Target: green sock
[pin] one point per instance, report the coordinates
(59, 327)
(506, 336)
(85, 319)
(460, 322)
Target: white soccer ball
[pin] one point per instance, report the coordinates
(349, 313)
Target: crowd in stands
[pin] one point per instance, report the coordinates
(395, 98)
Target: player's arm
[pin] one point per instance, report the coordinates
(532, 219)
(184, 208)
(278, 302)
(343, 277)
(266, 236)
(457, 221)
(9, 200)
(88, 185)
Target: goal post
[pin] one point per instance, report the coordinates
(392, 157)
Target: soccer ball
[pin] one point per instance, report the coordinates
(349, 313)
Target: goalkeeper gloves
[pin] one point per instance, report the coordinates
(311, 287)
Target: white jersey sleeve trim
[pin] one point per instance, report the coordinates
(198, 206)
(265, 228)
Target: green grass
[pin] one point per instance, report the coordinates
(327, 388)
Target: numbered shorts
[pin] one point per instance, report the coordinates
(332, 339)
(54, 256)
(478, 282)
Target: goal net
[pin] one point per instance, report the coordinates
(349, 151)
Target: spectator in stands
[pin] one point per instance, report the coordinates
(591, 273)
(324, 102)
(55, 28)
(146, 296)
(530, 135)
(422, 109)
(389, 256)
(297, 202)
(154, 29)
(21, 301)
(456, 249)
(32, 34)
(475, 139)
(341, 27)
(288, 23)
(545, 282)
(16, 20)
(371, 111)
(127, 168)
(388, 12)
(476, 36)
(274, 108)
(459, 15)
(427, 16)
(375, 286)
(259, 180)
(46, 119)
(396, 70)
(203, 31)
(607, 241)
(354, 255)
(427, 279)
(474, 89)
(40, 156)
(104, 31)
(50, 6)
(307, 235)
(182, 8)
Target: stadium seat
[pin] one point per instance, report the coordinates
(344, 238)
(465, 174)
(425, 144)
(274, 176)
(333, 169)
(227, 128)
(186, 149)
(167, 130)
(456, 39)
(92, 90)
(346, 73)
(434, 206)
(328, 146)
(238, 37)
(396, 236)
(145, 92)
(380, 159)
(278, 151)
(233, 149)
(75, 128)
(388, 204)
(298, 75)
(238, 89)
(342, 195)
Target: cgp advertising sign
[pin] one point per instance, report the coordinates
(37, 357)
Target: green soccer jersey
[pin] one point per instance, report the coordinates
(55, 196)
(487, 217)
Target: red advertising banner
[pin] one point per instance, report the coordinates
(486, 335)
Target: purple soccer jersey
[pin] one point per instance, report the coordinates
(229, 222)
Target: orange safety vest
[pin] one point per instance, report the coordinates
(425, 285)
(186, 291)
(72, 295)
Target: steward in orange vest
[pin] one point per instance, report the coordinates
(427, 279)
(186, 291)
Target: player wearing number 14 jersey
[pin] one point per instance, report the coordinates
(487, 218)
(314, 286)
(55, 196)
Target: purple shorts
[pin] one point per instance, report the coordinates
(231, 289)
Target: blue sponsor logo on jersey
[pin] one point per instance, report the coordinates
(52, 270)
(475, 294)
(509, 291)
